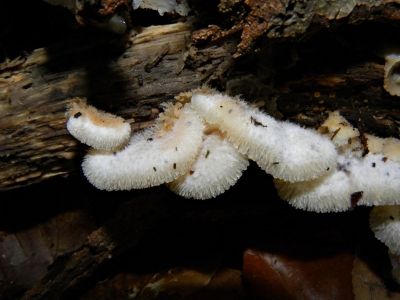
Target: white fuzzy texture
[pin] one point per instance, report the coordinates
(391, 149)
(378, 178)
(163, 6)
(375, 144)
(152, 157)
(392, 75)
(330, 192)
(385, 223)
(282, 149)
(340, 130)
(217, 167)
(96, 128)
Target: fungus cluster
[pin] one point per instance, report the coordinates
(200, 146)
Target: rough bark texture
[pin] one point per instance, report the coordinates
(299, 58)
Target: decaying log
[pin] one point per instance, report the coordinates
(295, 75)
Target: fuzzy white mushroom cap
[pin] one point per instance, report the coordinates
(282, 149)
(157, 155)
(385, 223)
(392, 75)
(391, 149)
(339, 129)
(330, 192)
(96, 128)
(374, 143)
(378, 178)
(217, 167)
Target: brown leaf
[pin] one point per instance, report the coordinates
(25, 255)
(304, 267)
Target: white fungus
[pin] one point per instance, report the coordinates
(378, 178)
(339, 129)
(157, 155)
(217, 167)
(330, 192)
(385, 223)
(391, 149)
(392, 75)
(163, 6)
(282, 149)
(96, 128)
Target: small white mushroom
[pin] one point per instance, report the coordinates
(163, 6)
(282, 149)
(157, 155)
(217, 167)
(330, 192)
(385, 223)
(96, 128)
(392, 74)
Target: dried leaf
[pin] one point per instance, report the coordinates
(305, 267)
(25, 255)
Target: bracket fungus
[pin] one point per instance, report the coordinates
(282, 149)
(392, 71)
(96, 128)
(200, 148)
(157, 155)
(218, 166)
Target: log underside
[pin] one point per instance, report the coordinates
(298, 76)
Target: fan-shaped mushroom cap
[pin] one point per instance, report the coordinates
(392, 76)
(282, 149)
(155, 156)
(330, 192)
(385, 223)
(378, 178)
(374, 143)
(391, 149)
(217, 167)
(96, 128)
(340, 130)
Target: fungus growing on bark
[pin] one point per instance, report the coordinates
(218, 166)
(96, 128)
(339, 129)
(282, 149)
(157, 155)
(336, 190)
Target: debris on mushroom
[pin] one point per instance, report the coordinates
(96, 128)
(217, 167)
(158, 155)
(339, 129)
(347, 185)
(282, 149)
